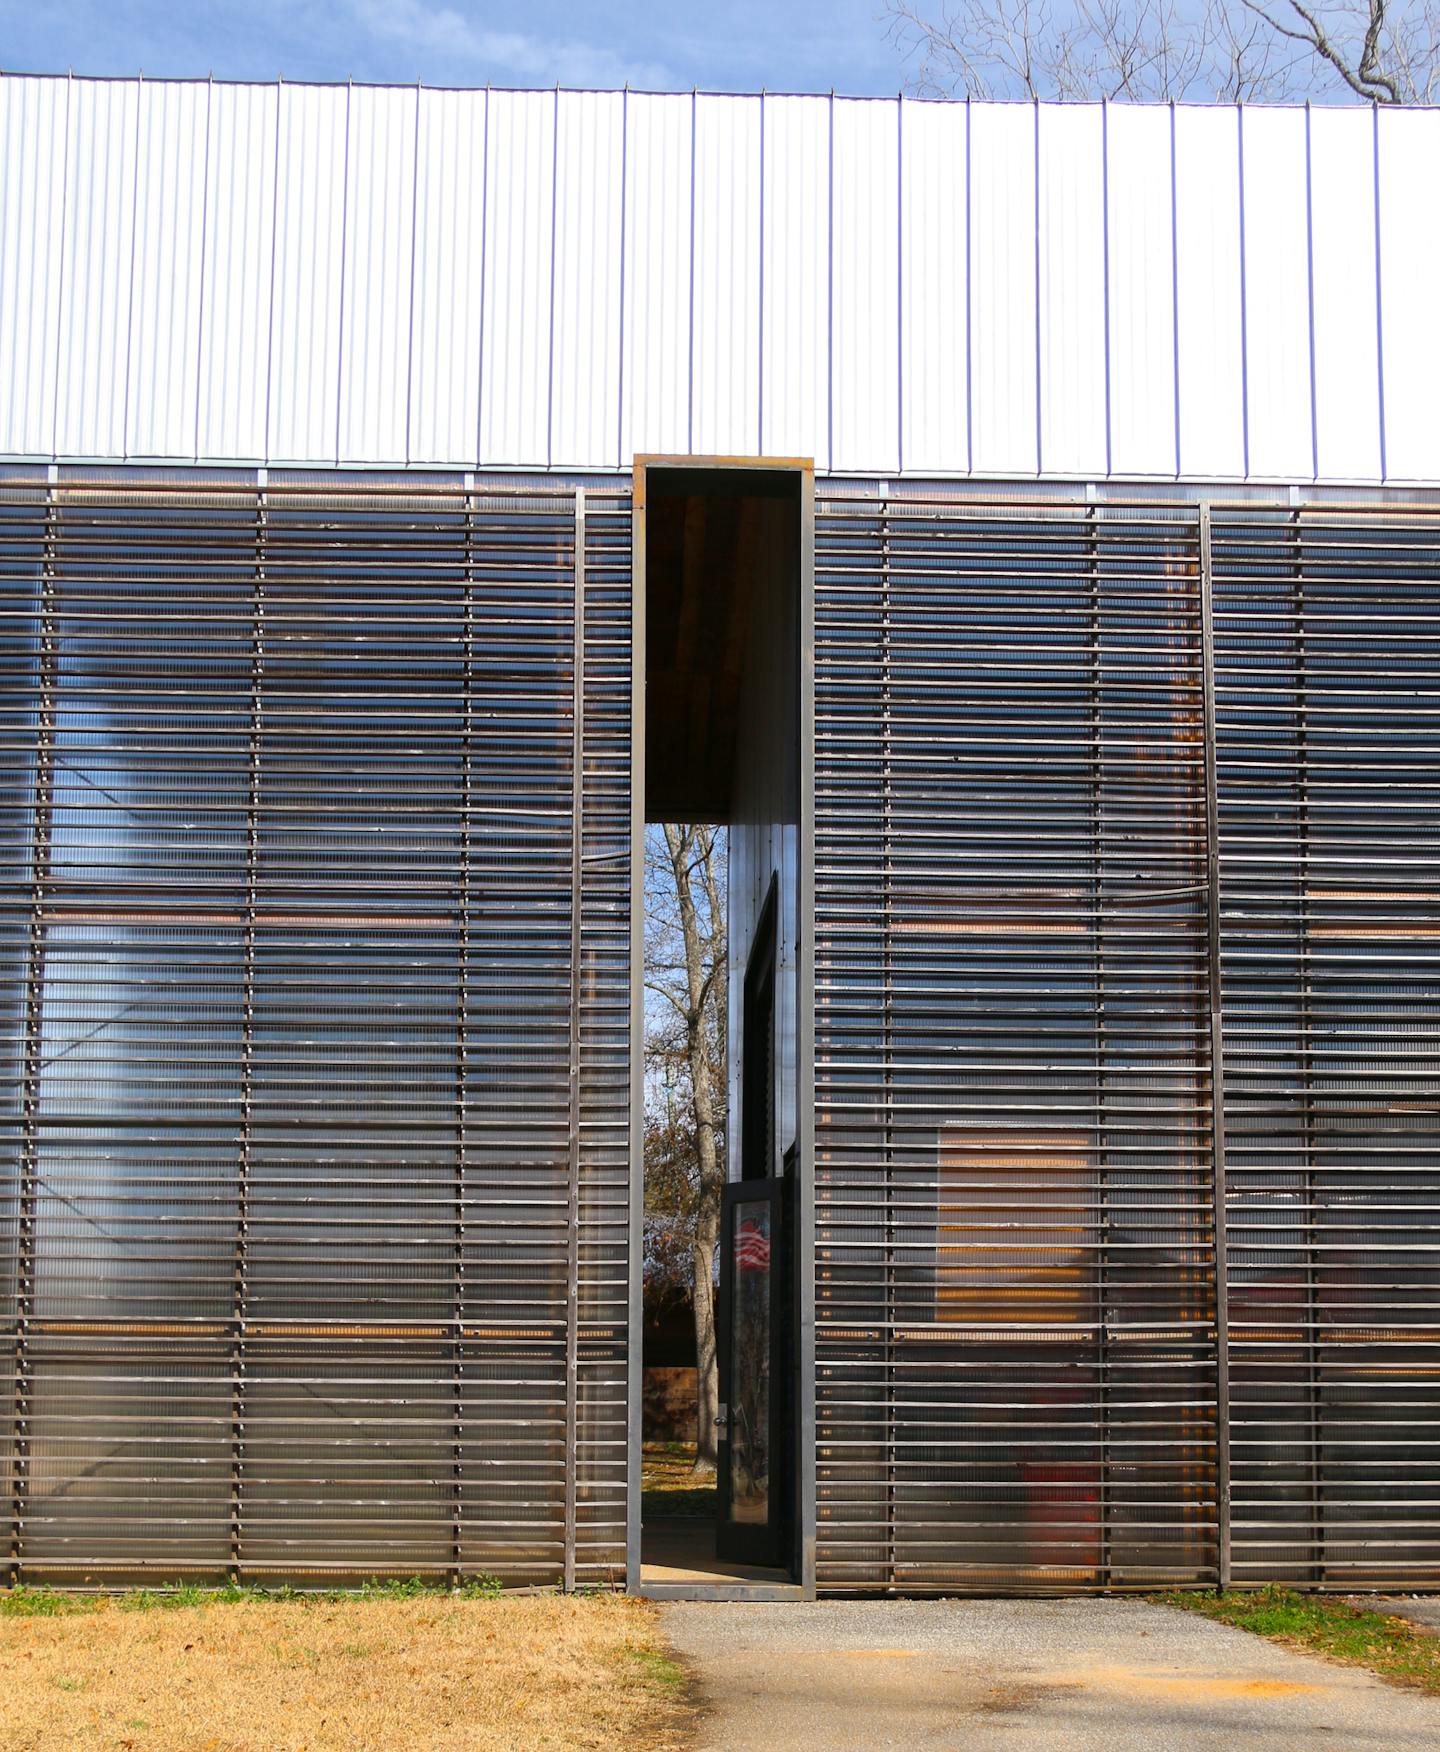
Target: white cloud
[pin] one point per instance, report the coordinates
(478, 54)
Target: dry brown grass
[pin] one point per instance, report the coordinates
(430, 1674)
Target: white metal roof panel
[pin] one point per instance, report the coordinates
(559, 279)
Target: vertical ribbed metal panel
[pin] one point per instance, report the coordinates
(1278, 403)
(97, 279)
(162, 376)
(865, 302)
(1140, 272)
(988, 288)
(1328, 687)
(1013, 1177)
(1342, 230)
(305, 1136)
(795, 279)
(725, 388)
(934, 287)
(375, 310)
(585, 370)
(1070, 276)
(304, 354)
(519, 238)
(1004, 388)
(33, 165)
(1209, 313)
(452, 186)
(659, 179)
(231, 420)
(1407, 174)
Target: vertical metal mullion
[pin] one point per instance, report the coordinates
(572, 1264)
(1102, 1189)
(42, 824)
(462, 1053)
(1310, 1332)
(240, 1286)
(887, 1040)
(1217, 1055)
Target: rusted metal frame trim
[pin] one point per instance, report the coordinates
(572, 1261)
(240, 1285)
(1102, 1163)
(1217, 1057)
(462, 1045)
(634, 1361)
(42, 824)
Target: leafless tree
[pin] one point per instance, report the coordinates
(1196, 50)
(686, 970)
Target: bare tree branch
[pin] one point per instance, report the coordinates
(1384, 51)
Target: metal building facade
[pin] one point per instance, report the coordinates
(320, 789)
(1127, 1117)
(315, 1045)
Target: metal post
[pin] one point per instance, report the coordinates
(1217, 1057)
(239, 1305)
(572, 1264)
(887, 1040)
(462, 1052)
(33, 1052)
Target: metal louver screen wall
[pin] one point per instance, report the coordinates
(1033, 857)
(314, 986)
(1328, 659)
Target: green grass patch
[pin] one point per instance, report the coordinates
(1323, 1625)
(24, 1601)
(671, 1486)
(663, 1674)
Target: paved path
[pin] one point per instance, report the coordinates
(1024, 1676)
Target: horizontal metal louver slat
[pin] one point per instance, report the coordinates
(286, 940)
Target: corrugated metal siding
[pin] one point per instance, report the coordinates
(883, 285)
(314, 1027)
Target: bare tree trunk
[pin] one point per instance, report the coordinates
(683, 843)
(707, 1365)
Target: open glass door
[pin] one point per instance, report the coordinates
(754, 1471)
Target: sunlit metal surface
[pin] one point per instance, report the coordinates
(315, 1029)
(1020, 1368)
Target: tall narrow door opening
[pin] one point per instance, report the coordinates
(721, 1057)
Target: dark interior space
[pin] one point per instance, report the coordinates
(721, 550)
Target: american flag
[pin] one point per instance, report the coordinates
(752, 1246)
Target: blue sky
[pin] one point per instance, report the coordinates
(722, 45)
